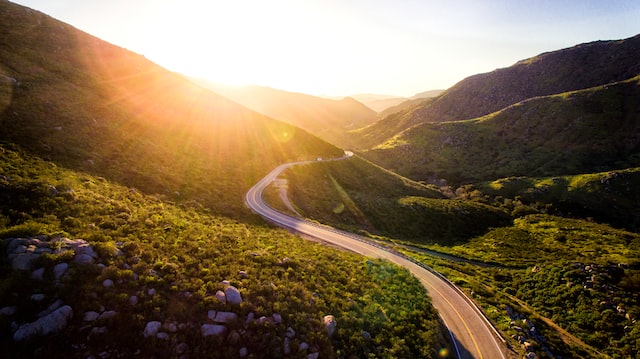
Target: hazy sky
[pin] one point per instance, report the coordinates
(343, 47)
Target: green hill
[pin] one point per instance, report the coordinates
(86, 104)
(123, 230)
(592, 130)
(579, 67)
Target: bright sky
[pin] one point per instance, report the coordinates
(344, 47)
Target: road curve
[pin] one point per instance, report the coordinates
(472, 334)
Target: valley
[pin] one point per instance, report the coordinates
(138, 215)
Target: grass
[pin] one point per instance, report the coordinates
(179, 249)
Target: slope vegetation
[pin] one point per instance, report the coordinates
(585, 131)
(579, 67)
(87, 104)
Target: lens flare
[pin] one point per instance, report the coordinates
(443, 353)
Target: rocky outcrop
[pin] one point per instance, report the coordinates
(49, 324)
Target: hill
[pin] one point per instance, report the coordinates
(87, 104)
(583, 131)
(326, 118)
(378, 103)
(123, 231)
(579, 67)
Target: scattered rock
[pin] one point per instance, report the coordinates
(233, 295)
(221, 296)
(286, 346)
(59, 270)
(107, 283)
(277, 318)
(366, 335)
(212, 329)
(39, 297)
(108, 314)
(171, 327)
(8, 311)
(290, 333)
(151, 329)
(242, 274)
(243, 352)
(90, 316)
(330, 324)
(224, 317)
(303, 346)
(23, 261)
(50, 324)
(151, 292)
(133, 300)
(162, 336)
(83, 259)
(182, 348)
(313, 355)
(38, 274)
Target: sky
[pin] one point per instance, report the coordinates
(344, 47)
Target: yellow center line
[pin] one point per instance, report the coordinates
(475, 343)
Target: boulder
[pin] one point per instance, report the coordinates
(90, 316)
(151, 329)
(212, 329)
(233, 295)
(49, 324)
(59, 270)
(23, 261)
(225, 317)
(221, 297)
(330, 324)
(38, 274)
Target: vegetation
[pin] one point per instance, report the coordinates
(83, 103)
(183, 253)
(585, 131)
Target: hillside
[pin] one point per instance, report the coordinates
(584, 131)
(378, 103)
(87, 104)
(108, 271)
(579, 67)
(326, 118)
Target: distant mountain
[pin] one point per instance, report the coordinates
(585, 131)
(384, 103)
(579, 67)
(326, 118)
(86, 104)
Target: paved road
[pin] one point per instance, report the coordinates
(473, 336)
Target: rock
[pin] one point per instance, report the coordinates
(162, 335)
(277, 318)
(181, 348)
(234, 338)
(90, 316)
(171, 327)
(38, 274)
(151, 292)
(107, 283)
(133, 300)
(83, 259)
(98, 331)
(22, 261)
(233, 295)
(313, 355)
(151, 329)
(225, 282)
(221, 297)
(108, 314)
(303, 346)
(242, 274)
(250, 318)
(50, 309)
(82, 247)
(243, 352)
(50, 324)
(366, 335)
(330, 324)
(212, 314)
(286, 346)
(225, 317)
(212, 329)
(290, 333)
(39, 297)
(59, 270)
(8, 311)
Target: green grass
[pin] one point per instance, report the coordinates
(176, 249)
(586, 131)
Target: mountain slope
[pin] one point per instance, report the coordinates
(579, 67)
(86, 104)
(584, 131)
(326, 118)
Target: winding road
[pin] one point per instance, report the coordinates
(472, 334)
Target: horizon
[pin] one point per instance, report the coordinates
(379, 48)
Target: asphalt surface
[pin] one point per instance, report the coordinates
(472, 334)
